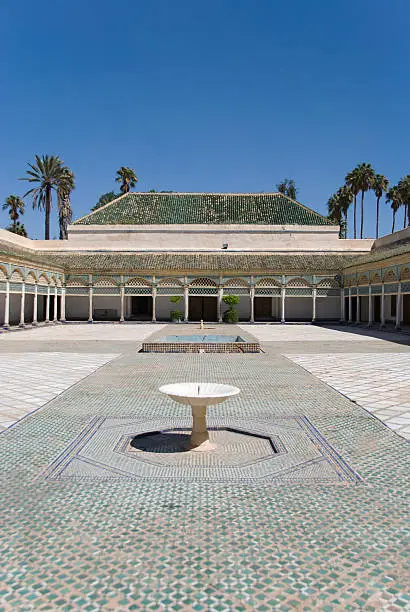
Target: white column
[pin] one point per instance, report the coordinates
(122, 296)
(382, 310)
(252, 296)
(62, 313)
(357, 306)
(398, 308)
(350, 305)
(314, 293)
(186, 304)
(370, 321)
(23, 295)
(154, 304)
(282, 304)
(47, 319)
(55, 305)
(35, 304)
(342, 305)
(7, 306)
(219, 304)
(90, 304)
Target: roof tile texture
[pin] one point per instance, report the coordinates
(203, 208)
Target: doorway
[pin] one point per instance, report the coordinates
(263, 309)
(204, 308)
(376, 308)
(141, 307)
(406, 309)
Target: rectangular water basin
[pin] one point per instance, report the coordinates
(200, 343)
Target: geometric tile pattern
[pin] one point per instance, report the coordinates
(30, 380)
(254, 452)
(125, 544)
(378, 383)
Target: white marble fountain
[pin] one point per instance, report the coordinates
(199, 396)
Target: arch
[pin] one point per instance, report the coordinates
(31, 278)
(169, 282)
(405, 273)
(43, 280)
(236, 282)
(105, 281)
(137, 281)
(76, 281)
(376, 278)
(202, 282)
(298, 282)
(3, 273)
(389, 277)
(267, 282)
(17, 276)
(363, 279)
(328, 283)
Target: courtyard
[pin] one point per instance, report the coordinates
(321, 523)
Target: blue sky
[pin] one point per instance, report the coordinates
(222, 95)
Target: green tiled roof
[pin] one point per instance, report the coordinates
(247, 263)
(384, 253)
(206, 208)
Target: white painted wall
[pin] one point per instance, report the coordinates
(389, 318)
(328, 309)
(76, 308)
(206, 237)
(243, 308)
(298, 309)
(164, 306)
(107, 303)
(15, 302)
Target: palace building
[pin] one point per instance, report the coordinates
(126, 260)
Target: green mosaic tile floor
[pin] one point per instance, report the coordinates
(189, 544)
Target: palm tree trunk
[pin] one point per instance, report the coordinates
(377, 218)
(48, 208)
(405, 216)
(394, 220)
(354, 216)
(362, 215)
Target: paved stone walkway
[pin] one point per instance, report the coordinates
(378, 382)
(322, 524)
(30, 380)
(82, 332)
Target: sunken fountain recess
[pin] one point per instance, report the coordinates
(201, 343)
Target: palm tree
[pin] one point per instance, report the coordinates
(404, 189)
(127, 178)
(18, 228)
(353, 182)
(106, 198)
(15, 205)
(288, 188)
(48, 172)
(345, 196)
(380, 186)
(366, 180)
(338, 206)
(65, 213)
(394, 199)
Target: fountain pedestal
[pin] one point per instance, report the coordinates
(199, 396)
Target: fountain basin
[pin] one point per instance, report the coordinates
(199, 396)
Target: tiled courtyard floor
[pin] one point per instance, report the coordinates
(381, 385)
(321, 525)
